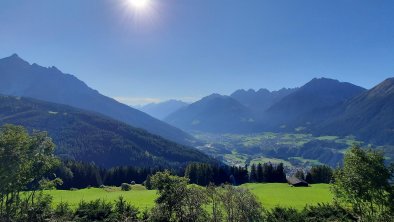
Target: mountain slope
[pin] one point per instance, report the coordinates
(92, 137)
(163, 109)
(19, 78)
(369, 116)
(214, 113)
(259, 101)
(310, 103)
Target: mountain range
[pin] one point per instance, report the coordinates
(214, 113)
(320, 107)
(163, 109)
(91, 137)
(19, 78)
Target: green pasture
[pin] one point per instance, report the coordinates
(270, 195)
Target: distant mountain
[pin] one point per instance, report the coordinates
(163, 109)
(214, 113)
(19, 78)
(310, 103)
(259, 101)
(369, 116)
(92, 137)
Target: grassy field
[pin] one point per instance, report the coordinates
(279, 194)
(270, 195)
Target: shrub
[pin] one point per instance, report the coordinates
(125, 187)
(281, 214)
(124, 211)
(327, 212)
(63, 212)
(96, 210)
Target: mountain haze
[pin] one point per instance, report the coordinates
(19, 78)
(259, 101)
(214, 113)
(163, 109)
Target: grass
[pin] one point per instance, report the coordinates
(279, 194)
(139, 198)
(270, 195)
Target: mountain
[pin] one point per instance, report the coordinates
(19, 78)
(309, 104)
(369, 116)
(214, 113)
(259, 101)
(163, 109)
(92, 137)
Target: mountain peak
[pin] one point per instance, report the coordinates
(384, 88)
(14, 59)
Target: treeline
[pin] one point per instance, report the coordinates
(81, 175)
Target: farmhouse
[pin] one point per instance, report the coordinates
(296, 182)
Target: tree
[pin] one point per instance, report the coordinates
(177, 201)
(253, 174)
(363, 183)
(25, 160)
(260, 176)
(319, 174)
(239, 204)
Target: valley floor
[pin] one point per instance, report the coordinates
(270, 195)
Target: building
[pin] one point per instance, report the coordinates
(296, 182)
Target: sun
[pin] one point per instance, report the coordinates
(139, 4)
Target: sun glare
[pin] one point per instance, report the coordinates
(139, 4)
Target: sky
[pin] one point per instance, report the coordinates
(187, 49)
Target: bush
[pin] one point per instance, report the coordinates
(280, 214)
(63, 212)
(326, 212)
(124, 211)
(125, 187)
(102, 186)
(73, 189)
(97, 210)
(39, 210)
(132, 182)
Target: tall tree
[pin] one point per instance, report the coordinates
(253, 174)
(363, 183)
(24, 161)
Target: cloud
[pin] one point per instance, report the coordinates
(135, 101)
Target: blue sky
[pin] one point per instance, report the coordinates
(187, 49)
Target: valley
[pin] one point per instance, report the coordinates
(292, 149)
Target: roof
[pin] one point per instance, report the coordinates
(295, 180)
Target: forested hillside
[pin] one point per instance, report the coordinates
(91, 137)
(19, 78)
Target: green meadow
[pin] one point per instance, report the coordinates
(270, 195)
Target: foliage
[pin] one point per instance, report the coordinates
(24, 161)
(96, 210)
(363, 183)
(319, 174)
(239, 204)
(327, 212)
(91, 137)
(125, 187)
(279, 214)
